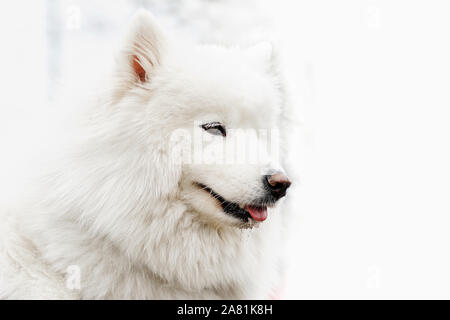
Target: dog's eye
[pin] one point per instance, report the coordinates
(215, 128)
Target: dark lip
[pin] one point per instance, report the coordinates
(233, 208)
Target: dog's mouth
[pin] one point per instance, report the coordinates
(256, 212)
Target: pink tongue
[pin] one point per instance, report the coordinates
(258, 214)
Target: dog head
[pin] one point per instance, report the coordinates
(206, 119)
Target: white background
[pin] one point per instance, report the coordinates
(370, 158)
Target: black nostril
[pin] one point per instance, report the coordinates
(277, 184)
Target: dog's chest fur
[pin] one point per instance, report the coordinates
(197, 263)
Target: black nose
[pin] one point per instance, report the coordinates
(277, 184)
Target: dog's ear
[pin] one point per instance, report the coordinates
(141, 52)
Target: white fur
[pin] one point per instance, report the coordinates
(120, 208)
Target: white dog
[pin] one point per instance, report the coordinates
(121, 217)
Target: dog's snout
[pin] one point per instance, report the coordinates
(277, 184)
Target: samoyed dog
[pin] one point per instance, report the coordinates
(161, 194)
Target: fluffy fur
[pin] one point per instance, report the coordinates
(120, 208)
